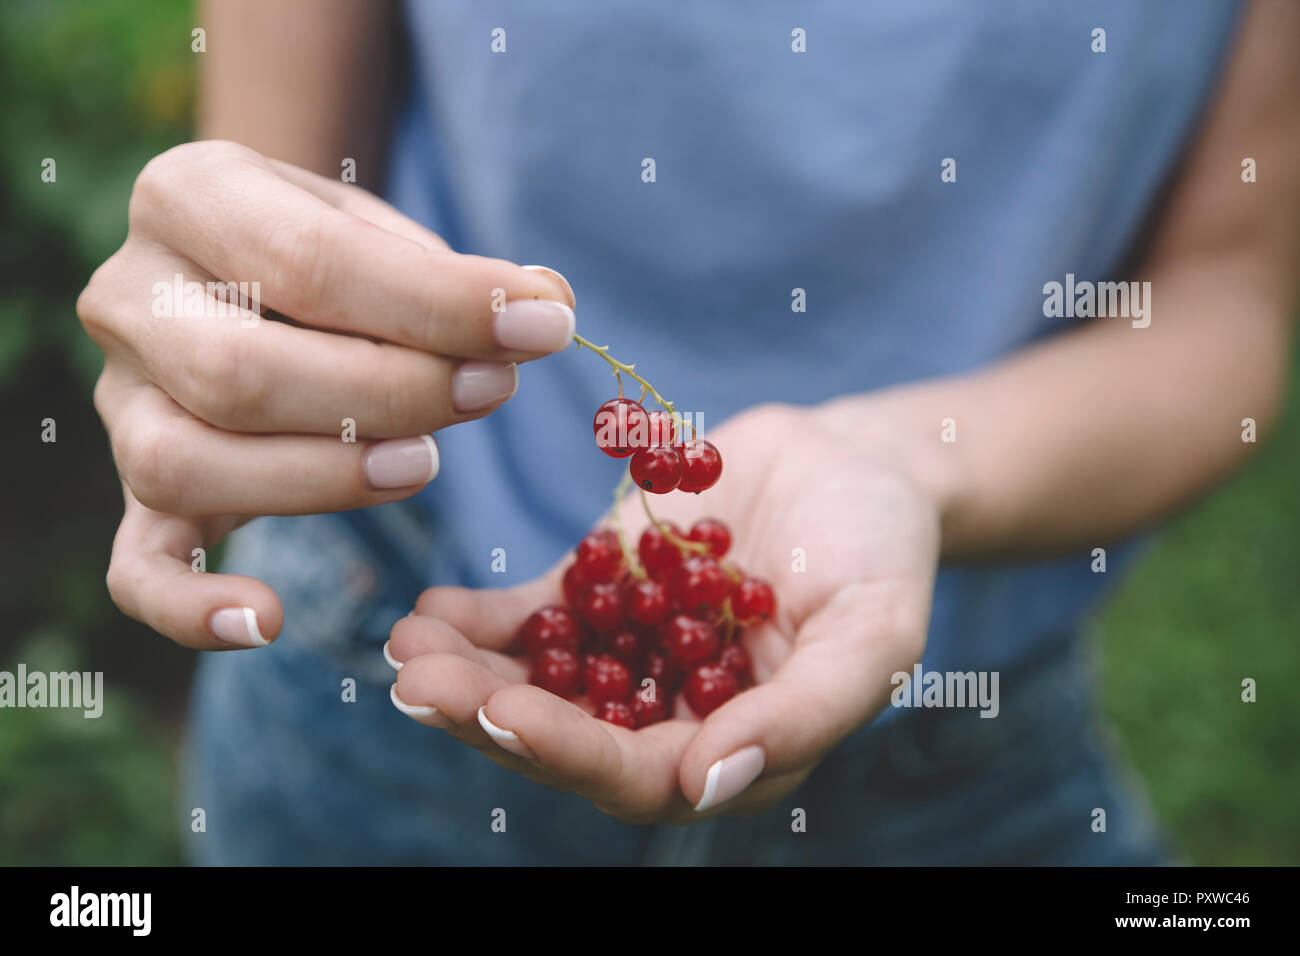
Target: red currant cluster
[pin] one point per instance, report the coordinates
(671, 613)
(662, 457)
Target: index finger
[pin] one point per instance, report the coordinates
(230, 213)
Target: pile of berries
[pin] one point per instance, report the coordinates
(671, 614)
(663, 459)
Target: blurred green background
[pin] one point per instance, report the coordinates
(101, 87)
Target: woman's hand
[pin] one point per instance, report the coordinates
(220, 416)
(850, 542)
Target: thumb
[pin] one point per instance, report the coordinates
(153, 578)
(490, 617)
(837, 676)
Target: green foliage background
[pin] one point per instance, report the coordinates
(101, 87)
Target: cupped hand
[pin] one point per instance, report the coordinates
(217, 415)
(819, 504)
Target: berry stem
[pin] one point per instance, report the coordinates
(621, 368)
(681, 544)
(629, 556)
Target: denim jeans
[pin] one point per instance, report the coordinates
(289, 772)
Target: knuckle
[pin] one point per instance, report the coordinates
(149, 463)
(296, 257)
(228, 387)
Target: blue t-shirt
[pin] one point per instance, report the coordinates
(794, 147)
(777, 170)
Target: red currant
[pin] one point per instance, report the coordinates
(712, 532)
(662, 430)
(556, 669)
(753, 601)
(607, 678)
(648, 712)
(702, 466)
(645, 603)
(599, 556)
(659, 556)
(708, 687)
(700, 585)
(657, 469)
(574, 587)
(621, 427)
(735, 658)
(690, 640)
(624, 645)
(617, 713)
(660, 668)
(549, 627)
(602, 606)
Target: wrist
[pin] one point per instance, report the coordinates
(906, 427)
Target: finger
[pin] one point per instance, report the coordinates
(152, 577)
(415, 636)
(255, 375)
(490, 618)
(446, 691)
(837, 676)
(628, 774)
(359, 202)
(176, 464)
(229, 211)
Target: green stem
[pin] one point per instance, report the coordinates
(622, 368)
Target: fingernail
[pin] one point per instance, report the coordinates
(534, 325)
(410, 710)
(238, 626)
(393, 662)
(506, 739)
(401, 462)
(478, 384)
(551, 272)
(730, 775)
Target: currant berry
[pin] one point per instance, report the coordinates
(617, 713)
(657, 469)
(753, 601)
(690, 640)
(624, 645)
(599, 556)
(660, 668)
(735, 658)
(606, 678)
(659, 556)
(700, 585)
(708, 687)
(549, 627)
(602, 606)
(647, 712)
(702, 466)
(556, 669)
(712, 532)
(574, 587)
(621, 427)
(662, 430)
(645, 603)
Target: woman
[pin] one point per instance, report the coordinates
(832, 233)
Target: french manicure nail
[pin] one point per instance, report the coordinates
(393, 662)
(731, 775)
(534, 325)
(507, 740)
(410, 710)
(237, 625)
(477, 384)
(401, 463)
(551, 272)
